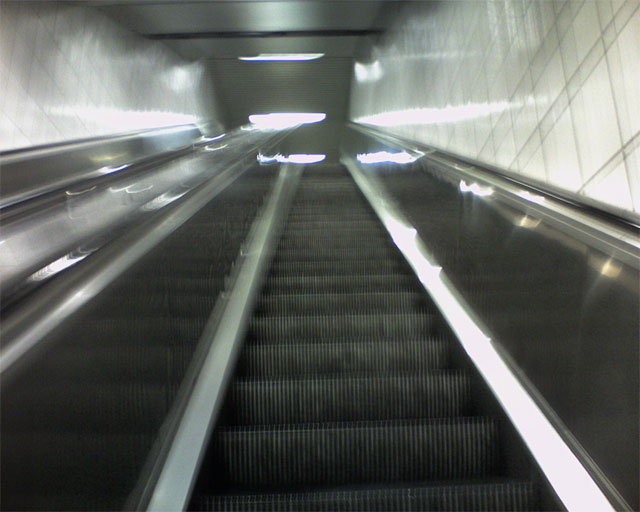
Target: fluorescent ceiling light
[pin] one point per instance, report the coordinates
(283, 56)
(385, 156)
(298, 158)
(280, 120)
(366, 73)
(304, 158)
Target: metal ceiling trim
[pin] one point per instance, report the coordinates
(263, 34)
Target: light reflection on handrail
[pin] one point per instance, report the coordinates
(476, 189)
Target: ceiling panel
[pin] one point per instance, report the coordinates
(235, 16)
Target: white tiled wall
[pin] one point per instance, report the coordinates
(548, 89)
(67, 71)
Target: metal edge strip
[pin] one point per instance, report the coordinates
(224, 336)
(571, 481)
(567, 215)
(48, 308)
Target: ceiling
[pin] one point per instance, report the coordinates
(229, 28)
(219, 31)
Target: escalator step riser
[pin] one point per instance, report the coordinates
(341, 224)
(108, 408)
(68, 460)
(336, 303)
(176, 304)
(118, 362)
(344, 326)
(176, 269)
(146, 331)
(296, 237)
(330, 215)
(325, 226)
(267, 402)
(164, 285)
(383, 253)
(341, 284)
(338, 267)
(355, 453)
(350, 356)
(308, 242)
(516, 497)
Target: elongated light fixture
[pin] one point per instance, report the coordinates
(283, 56)
(280, 120)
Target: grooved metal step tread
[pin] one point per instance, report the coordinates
(91, 362)
(108, 408)
(339, 267)
(341, 284)
(385, 252)
(321, 303)
(434, 394)
(329, 225)
(180, 304)
(353, 453)
(363, 241)
(324, 357)
(454, 496)
(342, 326)
(334, 228)
(147, 330)
(85, 462)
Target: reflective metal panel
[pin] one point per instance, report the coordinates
(35, 171)
(41, 238)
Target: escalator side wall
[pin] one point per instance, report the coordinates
(565, 313)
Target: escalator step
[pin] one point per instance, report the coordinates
(108, 408)
(340, 357)
(332, 230)
(328, 253)
(369, 242)
(341, 284)
(323, 227)
(336, 303)
(150, 330)
(354, 453)
(514, 496)
(84, 463)
(281, 328)
(175, 304)
(166, 284)
(338, 267)
(348, 398)
(384, 252)
(122, 361)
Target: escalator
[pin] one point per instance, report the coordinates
(348, 393)
(80, 418)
